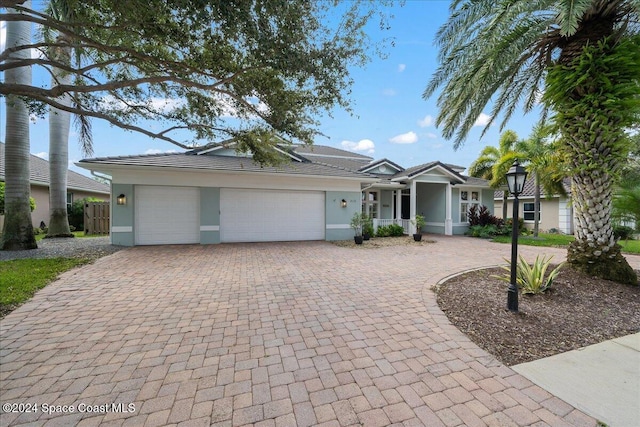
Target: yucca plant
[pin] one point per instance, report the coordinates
(531, 278)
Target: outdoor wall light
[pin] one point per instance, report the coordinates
(343, 203)
(516, 178)
(122, 199)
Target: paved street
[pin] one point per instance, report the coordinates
(272, 334)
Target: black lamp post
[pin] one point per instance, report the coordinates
(516, 177)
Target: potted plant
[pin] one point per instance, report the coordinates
(419, 222)
(356, 224)
(367, 227)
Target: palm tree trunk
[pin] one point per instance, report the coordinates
(59, 122)
(17, 233)
(536, 207)
(594, 249)
(505, 200)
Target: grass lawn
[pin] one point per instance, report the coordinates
(563, 240)
(21, 278)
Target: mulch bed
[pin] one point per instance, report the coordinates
(578, 311)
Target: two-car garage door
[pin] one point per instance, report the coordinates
(271, 215)
(171, 215)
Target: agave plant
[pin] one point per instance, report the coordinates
(531, 278)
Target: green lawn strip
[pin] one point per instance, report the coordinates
(21, 278)
(543, 239)
(563, 240)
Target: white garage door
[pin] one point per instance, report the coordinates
(271, 215)
(167, 215)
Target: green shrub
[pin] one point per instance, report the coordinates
(531, 278)
(396, 230)
(32, 202)
(367, 225)
(508, 224)
(76, 213)
(622, 232)
(383, 231)
(483, 231)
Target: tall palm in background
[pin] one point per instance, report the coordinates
(62, 52)
(17, 231)
(545, 166)
(583, 56)
(494, 163)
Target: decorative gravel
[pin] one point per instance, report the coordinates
(76, 247)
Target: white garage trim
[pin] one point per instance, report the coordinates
(271, 215)
(166, 215)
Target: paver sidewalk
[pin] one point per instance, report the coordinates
(278, 334)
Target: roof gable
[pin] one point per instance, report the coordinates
(416, 171)
(382, 167)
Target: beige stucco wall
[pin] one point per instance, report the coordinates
(549, 212)
(41, 196)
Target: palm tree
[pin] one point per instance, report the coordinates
(545, 166)
(17, 232)
(59, 123)
(583, 56)
(494, 162)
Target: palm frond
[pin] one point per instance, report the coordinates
(570, 12)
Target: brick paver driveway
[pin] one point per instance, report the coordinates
(281, 334)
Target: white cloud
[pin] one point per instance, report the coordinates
(42, 155)
(402, 67)
(157, 151)
(389, 92)
(436, 146)
(405, 138)
(427, 121)
(482, 120)
(432, 135)
(362, 145)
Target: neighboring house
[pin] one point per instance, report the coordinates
(555, 210)
(78, 187)
(214, 195)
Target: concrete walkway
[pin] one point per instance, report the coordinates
(280, 334)
(603, 379)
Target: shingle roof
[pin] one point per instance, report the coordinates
(530, 188)
(224, 163)
(39, 174)
(324, 150)
(318, 160)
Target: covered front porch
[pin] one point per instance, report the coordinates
(440, 195)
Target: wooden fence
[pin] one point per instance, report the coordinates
(96, 218)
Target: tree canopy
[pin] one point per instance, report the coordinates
(208, 71)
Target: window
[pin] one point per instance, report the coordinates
(467, 199)
(69, 201)
(370, 203)
(528, 211)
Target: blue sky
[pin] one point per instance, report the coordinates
(391, 119)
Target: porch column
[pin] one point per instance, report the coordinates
(448, 222)
(412, 205)
(398, 204)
